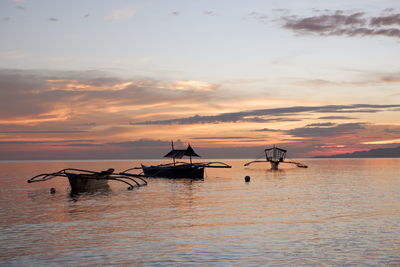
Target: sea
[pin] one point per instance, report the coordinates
(336, 212)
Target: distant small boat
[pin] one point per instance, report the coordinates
(179, 169)
(89, 181)
(275, 156)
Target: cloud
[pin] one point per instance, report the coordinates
(122, 14)
(373, 78)
(262, 18)
(85, 149)
(394, 131)
(147, 143)
(32, 97)
(222, 137)
(42, 142)
(260, 113)
(45, 131)
(209, 13)
(385, 20)
(20, 7)
(89, 124)
(336, 118)
(394, 78)
(317, 82)
(324, 23)
(93, 105)
(383, 142)
(268, 130)
(18, 99)
(189, 86)
(340, 129)
(341, 23)
(114, 84)
(321, 124)
(283, 10)
(74, 85)
(79, 145)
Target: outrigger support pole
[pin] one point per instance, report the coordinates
(104, 175)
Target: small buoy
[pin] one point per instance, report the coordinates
(52, 190)
(247, 179)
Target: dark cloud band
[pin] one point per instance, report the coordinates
(339, 23)
(243, 116)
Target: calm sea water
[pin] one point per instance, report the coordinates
(338, 212)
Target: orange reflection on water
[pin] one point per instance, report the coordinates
(335, 210)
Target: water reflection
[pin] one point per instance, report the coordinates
(75, 196)
(337, 212)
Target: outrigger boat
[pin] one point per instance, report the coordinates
(274, 156)
(90, 181)
(178, 169)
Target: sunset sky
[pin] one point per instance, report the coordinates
(95, 79)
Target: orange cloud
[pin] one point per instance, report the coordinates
(382, 142)
(191, 86)
(104, 109)
(73, 85)
(52, 116)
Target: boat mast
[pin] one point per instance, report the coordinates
(190, 157)
(172, 145)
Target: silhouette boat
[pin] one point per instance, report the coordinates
(275, 156)
(90, 181)
(179, 169)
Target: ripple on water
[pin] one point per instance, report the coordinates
(334, 213)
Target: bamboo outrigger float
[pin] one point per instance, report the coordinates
(274, 156)
(178, 169)
(90, 181)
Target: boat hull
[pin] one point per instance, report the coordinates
(170, 171)
(81, 183)
(274, 165)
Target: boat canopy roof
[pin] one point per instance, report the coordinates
(180, 153)
(276, 148)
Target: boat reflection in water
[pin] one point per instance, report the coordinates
(178, 169)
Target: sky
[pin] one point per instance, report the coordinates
(94, 79)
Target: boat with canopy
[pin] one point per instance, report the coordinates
(191, 170)
(275, 156)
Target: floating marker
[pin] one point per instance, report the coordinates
(247, 179)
